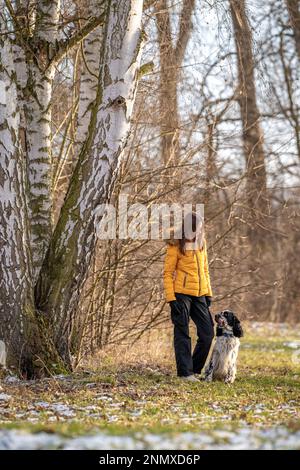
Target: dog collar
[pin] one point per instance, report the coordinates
(228, 335)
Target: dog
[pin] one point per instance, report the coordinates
(223, 361)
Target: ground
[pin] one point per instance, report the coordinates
(129, 403)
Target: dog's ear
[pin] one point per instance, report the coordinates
(219, 331)
(237, 328)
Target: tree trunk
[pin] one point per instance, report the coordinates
(86, 74)
(27, 64)
(294, 13)
(89, 76)
(256, 199)
(38, 134)
(71, 248)
(171, 58)
(47, 16)
(168, 87)
(22, 332)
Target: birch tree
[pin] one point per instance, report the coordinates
(15, 279)
(29, 54)
(89, 75)
(40, 69)
(72, 245)
(84, 91)
(21, 329)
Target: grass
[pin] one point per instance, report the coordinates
(125, 395)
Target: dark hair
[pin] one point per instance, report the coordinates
(182, 241)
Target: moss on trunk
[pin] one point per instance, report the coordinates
(35, 355)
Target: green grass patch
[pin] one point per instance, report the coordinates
(124, 399)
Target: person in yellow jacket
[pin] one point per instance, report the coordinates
(188, 291)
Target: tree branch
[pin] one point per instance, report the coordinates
(66, 45)
(12, 14)
(148, 4)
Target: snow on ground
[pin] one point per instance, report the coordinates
(243, 438)
(292, 344)
(112, 407)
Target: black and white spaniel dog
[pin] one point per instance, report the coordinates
(222, 364)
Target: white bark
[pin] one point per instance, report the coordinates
(37, 107)
(74, 239)
(89, 62)
(89, 76)
(15, 272)
(47, 16)
(27, 343)
(38, 136)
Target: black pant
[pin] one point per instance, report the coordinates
(182, 309)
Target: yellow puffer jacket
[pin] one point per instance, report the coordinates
(186, 274)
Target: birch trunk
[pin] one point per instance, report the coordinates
(87, 72)
(89, 77)
(37, 109)
(38, 135)
(47, 15)
(66, 265)
(20, 329)
(15, 282)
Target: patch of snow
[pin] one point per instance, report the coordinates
(241, 438)
(63, 410)
(101, 442)
(136, 413)
(104, 398)
(42, 404)
(5, 397)
(61, 377)
(292, 344)
(17, 440)
(91, 385)
(52, 419)
(11, 379)
(90, 408)
(116, 405)
(112, 418)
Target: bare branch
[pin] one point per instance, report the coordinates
(67, 45)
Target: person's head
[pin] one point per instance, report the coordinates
(192, 231)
